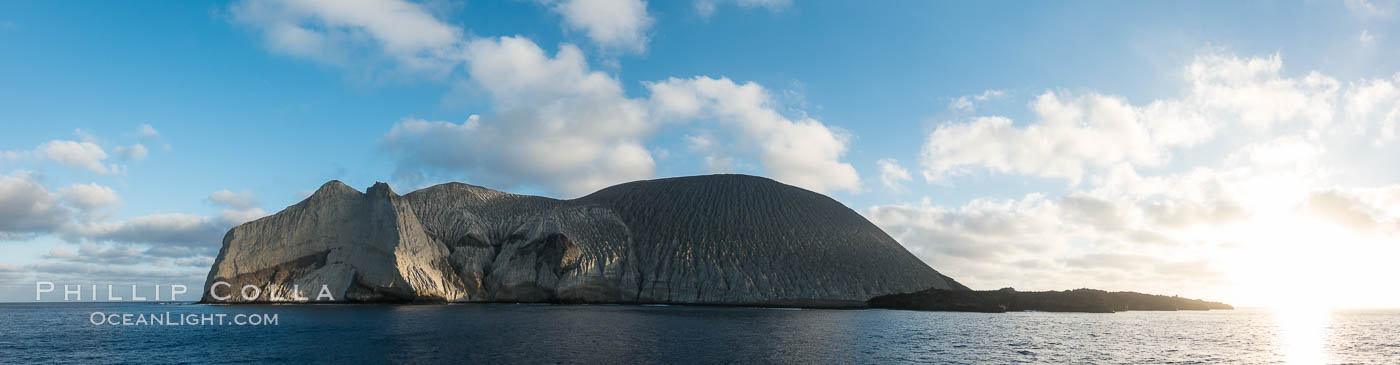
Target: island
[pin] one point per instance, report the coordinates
(709, 240)
(724, 239)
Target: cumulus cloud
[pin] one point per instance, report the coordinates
(76, 214)
(86, 272)
(11, 274)
(706, 8)
(1255, 91)
(99, 255)
(116, 255)
(557, 123)
(1366, 38)
(27, 207)
(613, 24)
(89, 196)
(1373, 107)
(238, 208)
(135, 152)
(892, 175)
(1069, 137)
(240, 200)
(716, 160)
(175, 229)
(1074, 134)
(799, 151)
(147, 130)
(1367, 9)
(1359, 210)
(967, 103)
(1257, 189)
(165, 235)
(560, 124)
(336, 32)
(84, 155)
(1039, 243)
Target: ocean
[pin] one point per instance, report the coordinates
(608, 334)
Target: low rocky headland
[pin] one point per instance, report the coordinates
(1010, 300)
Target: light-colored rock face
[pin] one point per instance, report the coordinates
(718, 239)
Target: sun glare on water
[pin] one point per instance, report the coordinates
(1302, 333)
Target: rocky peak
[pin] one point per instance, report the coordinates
(380, 189)
(334, 188)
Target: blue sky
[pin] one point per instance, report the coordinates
(265, 100)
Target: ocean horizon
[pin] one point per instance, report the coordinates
(64, 333)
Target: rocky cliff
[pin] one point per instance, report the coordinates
(718, 239)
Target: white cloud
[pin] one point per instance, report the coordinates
(1374, 104)
(134, 152)
(1254, 91)
(165, 234)
(84, 155)
(892, 175)
(1366, 38)
(147, 130)
(238, 208)
(802, 151)
(11, 274)
(613, 24)
(967, 103)
(1069, 137)
(105, 255)
(1084, 238)
(242, 199)
(1373, 211)
(1257, 188)
(85, 272)
(1367, 9)
(336, 32)
(1090, 132)
(716, 161)
(556, 123)
(174, 229)
(26, 206)
(89, 196)
(573, 130)
(706, 8)
(1341, 208)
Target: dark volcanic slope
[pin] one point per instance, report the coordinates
(718, 239)
(721, 238)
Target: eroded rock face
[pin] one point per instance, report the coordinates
(717, 239)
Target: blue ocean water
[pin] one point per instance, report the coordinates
(506, 333)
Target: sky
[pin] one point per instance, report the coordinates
(1235, 151)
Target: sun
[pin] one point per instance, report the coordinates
(1294, 261)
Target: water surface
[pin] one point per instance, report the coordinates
(504, 333)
